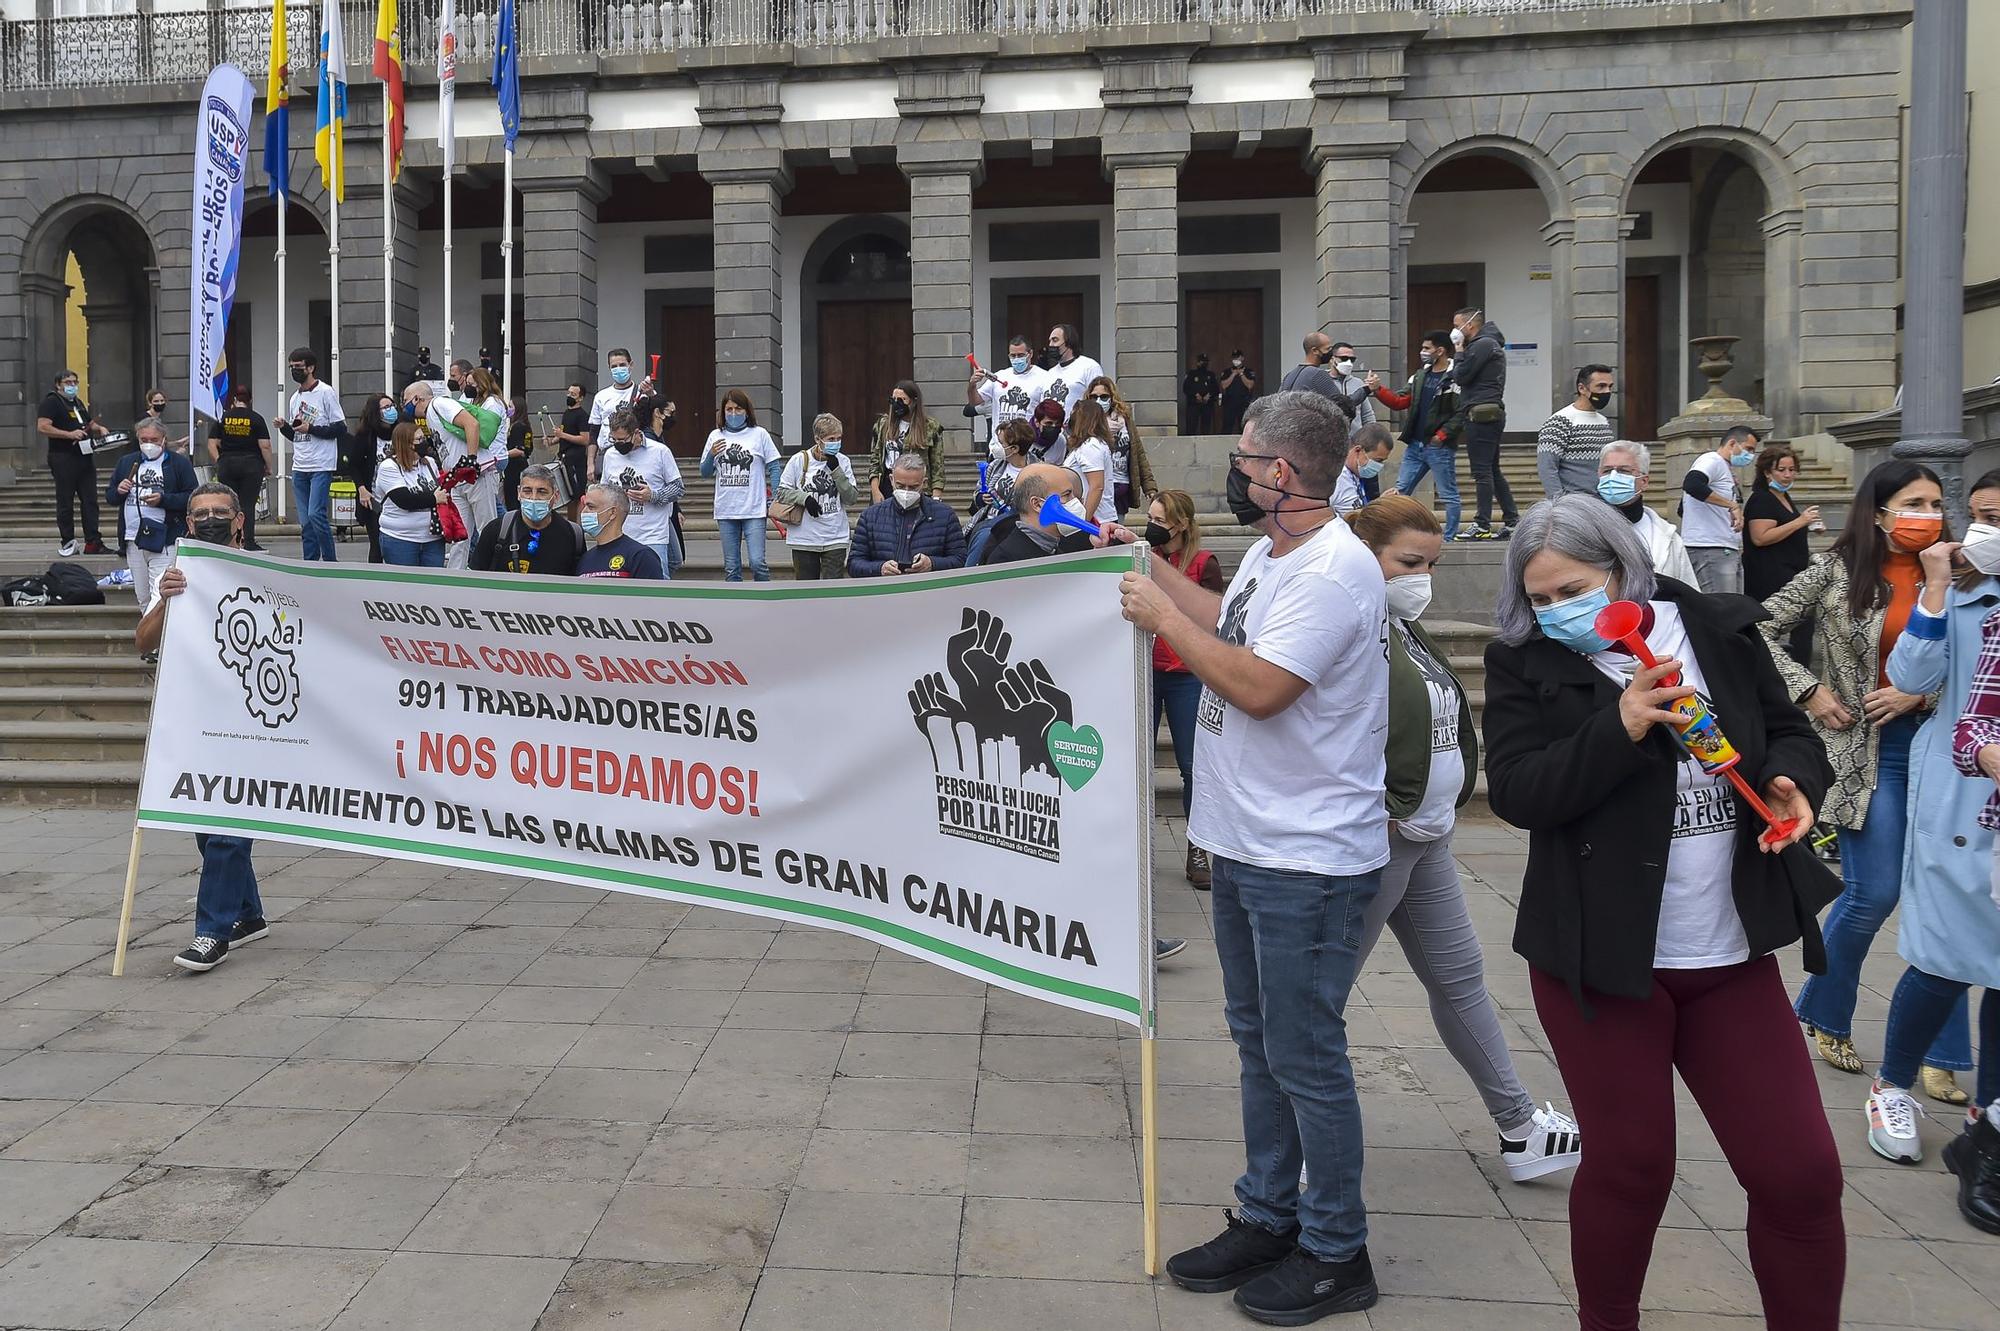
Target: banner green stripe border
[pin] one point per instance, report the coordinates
(1119, 560)
(805, 911)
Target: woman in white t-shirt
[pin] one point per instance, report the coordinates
(740, 456)
(1131, 475)
(1090, 458)
(406, 486)
(820, 482)
(1652, 907)
(1433, 762)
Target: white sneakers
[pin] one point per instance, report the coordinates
(1553, 1143)
(1892, 1124)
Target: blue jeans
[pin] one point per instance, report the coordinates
(1290, 944)
(309, 492)
(743, 529)
(665, 550)
(1439, 461)
(1177, 693)
(1925, 1005)
(412, 554)
(228, 890)
(1871, 863)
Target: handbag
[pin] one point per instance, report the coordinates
(450, 522)
(151, 536)
(785, 515)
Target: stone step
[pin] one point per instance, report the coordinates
(73, 741)
(43, 673)
(66, 702)
(65, 642)
(65, 784)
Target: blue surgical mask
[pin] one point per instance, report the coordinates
(1617, 489)
(1370, 470)
(69, 390)
(536, 510)
(1573, 622)
(733, 420)
(1782, 487)
(591, 523)
(831, 448)
(621, 375)
(1743, 459)
(1020, 364)
(388, 415)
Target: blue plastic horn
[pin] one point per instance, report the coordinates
(1053, 514)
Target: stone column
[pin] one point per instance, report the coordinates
(559, 280)
(941, 188)
(748, 185)
(359, 309)
(1596, 297)
(1354, 237)
(1146, 278)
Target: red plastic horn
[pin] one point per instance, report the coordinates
(656, 367)
(1700, 734)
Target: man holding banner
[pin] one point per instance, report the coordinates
(1289, 774)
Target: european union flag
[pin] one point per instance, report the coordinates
(507, 74)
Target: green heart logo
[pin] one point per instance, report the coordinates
(1077, 752)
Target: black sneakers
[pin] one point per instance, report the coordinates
(1241, 1252)
(1304, 1288)
(204, 954)
(249, 931)
(1974, 1155)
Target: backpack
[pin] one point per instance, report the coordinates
(490, 426)
(72, 584)
(984, 533)
(25, 591)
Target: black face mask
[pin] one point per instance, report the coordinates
(1051, 358)
(1599, 401)
(215, 531)
(298, 374)
(1236, 494)
(1048, 435)
(624, 445)
(572, 399)
(1157, 536)
(898, 408)
(451, 385)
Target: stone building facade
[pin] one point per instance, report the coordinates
(667, 187)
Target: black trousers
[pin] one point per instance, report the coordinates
(1482, 450)
(245, 475)
(1201, 417)
(76, 479)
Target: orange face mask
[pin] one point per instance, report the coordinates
(1915, 532)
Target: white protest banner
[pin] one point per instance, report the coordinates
(958, 765)
(221, 155)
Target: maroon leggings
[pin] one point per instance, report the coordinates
(1731, 1034)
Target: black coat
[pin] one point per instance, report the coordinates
(1599, 809)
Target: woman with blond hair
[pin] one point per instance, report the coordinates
(1131, 476)
(1175, 535)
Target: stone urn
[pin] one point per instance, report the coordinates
(1715, 363)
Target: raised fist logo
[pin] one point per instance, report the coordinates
(1016, 399)
(1058, 391)
(1238, 611)
(735, 455)
(821, 483)
(996, 727)
(255, 642)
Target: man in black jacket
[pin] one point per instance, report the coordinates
(533, 538)
(1028, 538)
(1480, 371)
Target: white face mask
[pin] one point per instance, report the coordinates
(996, 451)
(1457, 338)
(1408, 595)
(1344, 366)
(1982, 547)
(1074, 506)
(152, 451)
(908, 498)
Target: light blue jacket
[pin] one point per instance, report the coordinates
(1950, 923)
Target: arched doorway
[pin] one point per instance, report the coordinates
(854, 294)
(90, 281)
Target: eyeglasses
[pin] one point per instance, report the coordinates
(1235, 458)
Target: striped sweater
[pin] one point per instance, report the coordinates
(1568, 449)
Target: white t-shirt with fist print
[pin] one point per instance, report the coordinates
(742, 471)
(820, 479)
(1302, 790)
(650, 463)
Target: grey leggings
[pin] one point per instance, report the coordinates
(1422, 902)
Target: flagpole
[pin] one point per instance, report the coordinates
(284, 352)
(447, 264)
(333, 272)
(507, 287)
(388, 254)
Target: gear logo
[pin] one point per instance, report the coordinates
(256, 637)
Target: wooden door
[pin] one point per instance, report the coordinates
(1223, 322)
(1430, 306)
(864, 348)
(1639, 377)
(687, 373)
(1032, 316)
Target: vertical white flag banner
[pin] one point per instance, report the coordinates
(955, 765)
(221, 156)
(447, 72)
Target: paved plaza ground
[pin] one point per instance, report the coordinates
(456, 1100)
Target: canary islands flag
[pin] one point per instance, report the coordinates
(332, 101)
(277, 110)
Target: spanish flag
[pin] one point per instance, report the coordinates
(277, 110)
(332, 122)
(389, 69)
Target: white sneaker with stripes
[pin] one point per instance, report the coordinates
(1892, 1124)
(1553, 1143)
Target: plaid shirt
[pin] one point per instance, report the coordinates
(1979, 724)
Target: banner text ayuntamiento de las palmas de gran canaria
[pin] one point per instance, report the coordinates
(956, 765)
